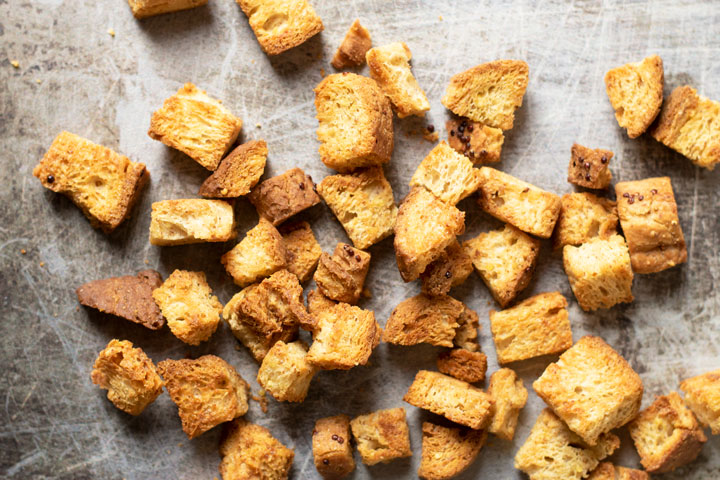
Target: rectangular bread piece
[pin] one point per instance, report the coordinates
(148, 8)
(382, 436)
(192, 220)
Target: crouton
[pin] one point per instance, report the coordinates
(589, 168)
(509, 396)
(424, 228)
(302, 251)
(666, 434)
(331, 447)
(208, 391)
(352, 50)
(690, 124)
(447, 174)
(148, 8)
(390, 68)
(250, 451)
(450, 269)
(260, 254)
(463, 364)
(363, 203)
(317, 303)
(505, 260)
(279, 198)
(128, 297)
(424, 319)
(285, 373)
(635, 91)
(128, 375)
(382, 436)
(447, 451)
(649, 219)
(488, 93)
(518, 203)
(702, 395)
(599, 272)
(237, 173)
(342, 276)
(592, 388)
(197, 125)
(584, 216)
(192, 220)
(553, 452)
(103, 184)
(480, 143)
(466, 333)
(454, 399)
(608, 471)
(355, 122)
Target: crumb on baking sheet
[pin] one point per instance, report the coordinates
(111, 31)
(257, 125)
(15, 63)
(322, 73)
(42, 264)
(261, 398)
(23, 251)
(38, 81)
(430, 134)
(147, 262)
(440, 17)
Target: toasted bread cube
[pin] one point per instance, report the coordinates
(331, 446)
(447, 174)
(466, 333)
(390, 68)
(352, 50)
(592, 388)
(584, 216)
(608, 471)
(454, 399)
(237, 173)
(148, 8)
(128, 375)
(250, 451)
(599, 272)
(518, 203)
(279, 198)
(342, 276)
(382, 436)
(590, 168)
(355, 122)
(702, 395)
(424, 319)
(285, 373)
(463, 364)
(197, 125)
(450, 269)
(649, 219)
(302, 251)
(447, 451)
(192, 220)
(488, 93)
(208, 391)
(424, 228)
(509, 396)
(553, 452)
(666, 434)
(103, 184)
(260, 254)
(480, 143)
(505, 260)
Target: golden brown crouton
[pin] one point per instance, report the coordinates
(509, 396)
(666, 434)
(128, 375)
(331, 446)
(279, 198)
(447, 452)
(608, 471)
(466, 333)
(260, 254)
(382, 436)
(352, 50)
(463, 364)
(480, 143)
(584, 216)
(702, 395)
(197, 125)
(238, 173)
(302, 251)
(192, 220)
(424, 319)
(103, 184)
(208, 391)
(589, 168)
(447, 174)
(355, 122)
(450, 269)
(454, 399)
(592, 388)
(342, 276)
(285, 373)
(148, 8)
(649, 219)
(249, 451)
(488, 93)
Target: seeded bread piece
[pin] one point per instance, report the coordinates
(702, 395)
(148, 8)
(192, 220)
(260, 254)
(447, 174)
(332, 450)
(608, 471)
(450, 269)
(509, 396)
(467, 332)
(237, 173)
(463, 364)
(302, 251)
(352, 50)
(480, 143)
(382, 436)
(584, 216)
(250, 451)
(279, 198)
(590, 168)
(285, 373)
(342, 276)
(424, 319)
(448, 451)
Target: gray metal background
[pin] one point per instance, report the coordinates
(73, 75)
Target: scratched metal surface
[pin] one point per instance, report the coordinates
(73, 75)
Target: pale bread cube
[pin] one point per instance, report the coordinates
(260, 254)
(448, 451)
(382, 436)
(447, 174)
(285, 373)
(192, 220)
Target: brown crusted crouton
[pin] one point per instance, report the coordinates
(424, 319)
(553, 452)
(447, 174)
(103, 184)
(608, 471)
(279, 198)
(390, 68)
(208, 391)
(447, 452)
(592, 388)
(649, 219)
(331, 446)
(424, 228)
(355, 122)
(128, 297)
(454, 399)
(148, 8)
(250, 451)
(599, 272)
(505, 260)
(589, 168)
(488, 93)
(518, 203)
(342, 276)
(463, 364)
(666, 434)
(197, 125)
(480, 143)
(285, 372)
(702, 395)
(238, 173)
(128, 375)
(260, 254)
(450, 269)
(302, 251)
(317, 303)
(382, 436)
(466, 333)
(192, 220)
(352, 50)
(584, 216)
(509, 396)
(363, 203)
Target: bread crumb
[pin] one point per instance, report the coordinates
(111, 32)
(440, 17)
(257, 125)
(15, 63)
(147, 262)
(42, 264)
(322, 72)
(431, 136)
(23, 251)
(261, 398)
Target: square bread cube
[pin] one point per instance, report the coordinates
(302, 251)
(424, 319)
(279, 198)
(480, 143)
(128, 375)
(260, 254)
(285, 372)
(463, 364)
(592, 388)
(467, 332)
(237, 173)
(382, 436)
(702, 395)
(509, 396)
(192, 311)
(454, 399)
(342, 276)
(363, 203)
(103, 184)
(584, 216)
(447, 174)
(208, 391)
(332, 450)
(608, 471)
(589, 168)
(197, 125)
(666, 434)
(352, 50)
(518, 203)
(449, 270)
(148, 8)
(250, 451)
(192, 220)
(448, 451)
(649, 219)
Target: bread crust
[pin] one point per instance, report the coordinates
(447, 174)
(352, 50)
(332, 449)
(467, 332)
(342, 276)
(250, 451)
(279, 198)
(382, 436)
(191, 220)
(589, 168)
(702, 395)
(480, 143)
(449, 270)
(260, 254)
(447, 452)
(463, 364)
(424, 319)
(238, 172)
(302, 251)
(148, 8)
(285, 373)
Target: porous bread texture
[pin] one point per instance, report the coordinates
(352, 50)
(449, 270)
(448, 451)
(480, 143)
(467, 332)
(302, 251)
(382, 436)
(192, 220)
(584, 216)
(285, 373)
(260, 254)
(509, 397)
(280, 197)
(702, 395)
(447, 174)
(608, 471)
(332, 449)
(341, 277)
(250, 451)
(424, 319)
(463, 364)
(148, 8)
(589, 168)
(237, 173)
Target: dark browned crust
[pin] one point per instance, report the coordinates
(226, 181)
(341, 277)
(279, 198)
(450, 270)
(589, 168)
(463, 364)
(352, 50)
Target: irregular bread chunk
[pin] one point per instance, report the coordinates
(285, 372)
(342, 276)
(260, 254)
(238, 173)
(302, 251)
(447, 174)
(250, 451)
(463, 364)
(450, 269)
(192, 220)
(279, 198)
(509, 396)
(590, 168)
(584, 216)
(352, 50)
(424, 319)
(382, 436)
(447, 452)
(702, 395)
(480, 143)
(148, 8)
